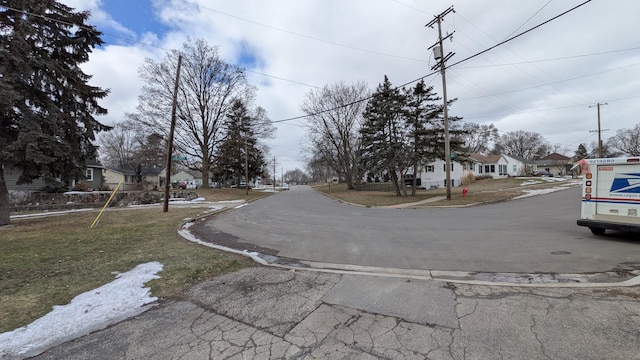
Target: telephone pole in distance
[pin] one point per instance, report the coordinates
(599, 131)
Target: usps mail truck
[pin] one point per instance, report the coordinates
(610, 194)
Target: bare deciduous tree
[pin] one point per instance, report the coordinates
(527, 144)
(208, 88)
(335, 116)
(626, 141)
(477, 138)
(118, 147)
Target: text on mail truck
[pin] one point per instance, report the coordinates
(610, 194)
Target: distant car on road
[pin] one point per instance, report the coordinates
(541, 173)
(285, 186)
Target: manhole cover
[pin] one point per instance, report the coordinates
(561, 252)
(275, 277)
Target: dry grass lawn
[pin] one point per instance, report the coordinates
(482, 191)
(48, 261)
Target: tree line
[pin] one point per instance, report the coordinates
(356, 135)
(220, 131)
(48, 112)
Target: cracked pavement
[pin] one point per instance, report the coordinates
(269, 313)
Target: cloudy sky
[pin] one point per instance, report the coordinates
(543, 81)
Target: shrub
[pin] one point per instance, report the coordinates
(468, 178)
(83, 187)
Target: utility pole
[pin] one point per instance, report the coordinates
(246, 166)
(167, 169)
(438, 52)
(274, 172)
(599, 131)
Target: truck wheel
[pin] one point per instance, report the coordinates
(597, 231)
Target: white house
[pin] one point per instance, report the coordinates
(496, 166)
(519, 166)
(434, 174)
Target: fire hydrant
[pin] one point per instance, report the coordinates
(464, 192)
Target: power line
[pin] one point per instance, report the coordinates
(530, 17)
(553, 83)
(520, 34)
(551, 59)
(454, 64)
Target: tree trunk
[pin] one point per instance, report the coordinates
(394, 180)
(4, 200)
(205, 169)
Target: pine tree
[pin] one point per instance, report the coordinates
(47, 107)
(420, 113)
(382, 134)
(240, 144)
(581, 153)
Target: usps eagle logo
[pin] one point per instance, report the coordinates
(626, 183)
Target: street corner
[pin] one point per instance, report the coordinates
(271, 299)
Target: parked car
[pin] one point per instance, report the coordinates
(541, 173)
(285, 186)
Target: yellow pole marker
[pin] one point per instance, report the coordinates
(105, 205)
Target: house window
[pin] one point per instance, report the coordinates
(515, 168)
(479, 169)
(429, 168)
(489, 168)
(89, 174)
(502, 169)
(444, 167)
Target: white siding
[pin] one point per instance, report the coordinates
(438, 176)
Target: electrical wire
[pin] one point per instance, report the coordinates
(446, 67)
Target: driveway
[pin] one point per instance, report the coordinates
(537, 234)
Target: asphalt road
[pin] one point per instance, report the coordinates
(536, 234)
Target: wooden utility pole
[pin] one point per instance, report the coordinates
(439, 55)
(599, 131)
(246, 166)
(167, 169)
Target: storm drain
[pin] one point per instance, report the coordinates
(275, 277)
(561, 252)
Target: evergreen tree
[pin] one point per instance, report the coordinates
(581, 153)
(47, 107)
(420, 113)
(383, 134)
(240, 145)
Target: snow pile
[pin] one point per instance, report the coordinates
(88, 312)
(529, 193)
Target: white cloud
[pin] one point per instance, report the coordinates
(284, 35)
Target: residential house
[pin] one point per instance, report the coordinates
(555, 164)
(93, 175)
(496, 166)
(93, 178)
(191, 176)
(434, 174)
(519, 166)
(152, 178)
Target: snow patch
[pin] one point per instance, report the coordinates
(88, 312)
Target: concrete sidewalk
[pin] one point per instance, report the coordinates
(269, 313)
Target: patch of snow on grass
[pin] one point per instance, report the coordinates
(88, 312)
(529, 193)
(529, 182)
